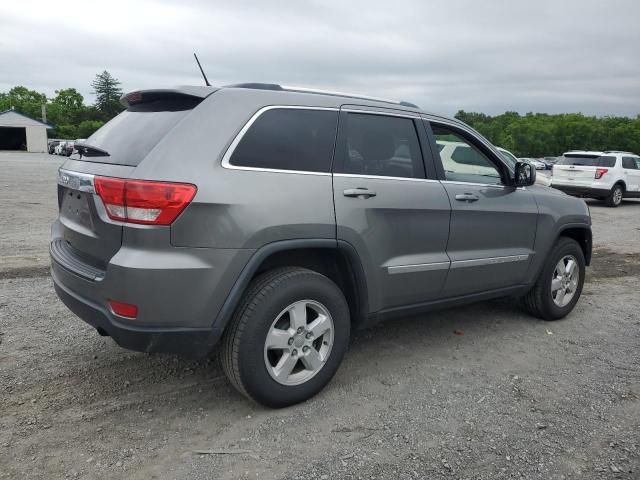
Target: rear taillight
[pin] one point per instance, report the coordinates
(143, 201)
(600, 172)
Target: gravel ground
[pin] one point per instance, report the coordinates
(512, 397)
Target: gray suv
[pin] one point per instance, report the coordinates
(274, 221)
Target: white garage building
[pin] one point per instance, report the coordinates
(19, 132)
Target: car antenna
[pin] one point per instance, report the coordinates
(206, 82)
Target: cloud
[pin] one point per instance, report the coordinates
(522, 55)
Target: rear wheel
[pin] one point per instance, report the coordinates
(287, 338)
(560, 283)
(615, 197)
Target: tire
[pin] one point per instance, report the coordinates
(615, 197)
(540, 301)
(251, 366)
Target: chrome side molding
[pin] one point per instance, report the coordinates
(476, 262)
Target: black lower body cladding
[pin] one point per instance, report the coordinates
(190, 342)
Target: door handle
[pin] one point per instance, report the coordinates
(359, 192)
(467, 197)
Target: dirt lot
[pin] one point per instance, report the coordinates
(511, 398)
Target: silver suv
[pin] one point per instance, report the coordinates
(274, 221)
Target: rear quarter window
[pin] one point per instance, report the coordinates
(629, 162)
(289, 139)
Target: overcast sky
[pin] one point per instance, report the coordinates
(445, 55)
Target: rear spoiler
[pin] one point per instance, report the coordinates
(190, 96)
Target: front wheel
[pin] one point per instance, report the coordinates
(287, 338)
(560, 283)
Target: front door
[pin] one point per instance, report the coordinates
(493, 225)
(396, 218)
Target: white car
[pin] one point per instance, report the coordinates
(459, 157)
(541, 179)
(609, 176)
(60, 148)
(536, 163)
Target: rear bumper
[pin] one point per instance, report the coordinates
(192, 342)
(582, 191)
(178, 292)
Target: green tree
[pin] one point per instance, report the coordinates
(107, 90)
(87, 127)
(23, 100)
(66, 107)
(541, 134)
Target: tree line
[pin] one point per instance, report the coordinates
(541, 134)
(66, 111)
(530, 135)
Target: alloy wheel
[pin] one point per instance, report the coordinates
(565, 280)
(299, 342)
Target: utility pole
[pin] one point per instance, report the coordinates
(44, 113)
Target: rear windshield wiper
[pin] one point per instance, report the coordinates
(90, 151)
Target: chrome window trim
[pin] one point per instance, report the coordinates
(407, 179)
(76, 180)
(388, 114)
(227, 155)
(492, 185)
(418, 267)
(477, 262)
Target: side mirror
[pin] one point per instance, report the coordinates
(525, 174)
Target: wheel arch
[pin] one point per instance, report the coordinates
(622, 184)
(335, 259)
(581, 234)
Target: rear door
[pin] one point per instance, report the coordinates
(631, 170)
(581, 169)
(83, 233)
(387, 207)
(493, 225)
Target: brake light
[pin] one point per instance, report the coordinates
(123, 309)
(600, 172)
(143, 201)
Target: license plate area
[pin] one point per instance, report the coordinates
(75, 207)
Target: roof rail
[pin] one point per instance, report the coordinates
(619, 151)
(273, 86)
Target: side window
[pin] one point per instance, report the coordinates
(629, 162)
(289, 139)
(462, 160)
(379, 145)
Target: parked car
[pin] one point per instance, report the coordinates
(549, 162)
(283, 230)
(609, 176)
(538, 165)
(544, 180)
(68, 148)
(59, 149)
(52, 144)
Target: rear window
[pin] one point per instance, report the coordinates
(289, 139)
(587, 161)
(130, 136)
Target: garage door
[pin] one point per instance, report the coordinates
(13, 138)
